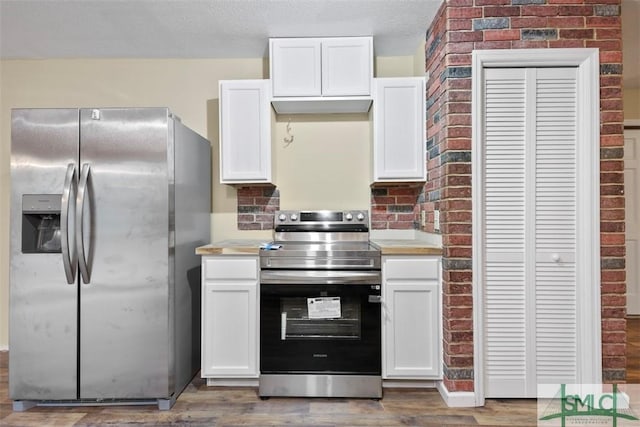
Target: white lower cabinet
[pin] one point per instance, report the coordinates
(411, 336)
(230, 316)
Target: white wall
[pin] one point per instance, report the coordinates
(324, 146)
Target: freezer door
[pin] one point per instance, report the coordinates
(42, 304)
(125, 327)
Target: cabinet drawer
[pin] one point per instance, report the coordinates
(231, 268)
(411, 268)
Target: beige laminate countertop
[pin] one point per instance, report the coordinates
(406, 247)
(387, 247)
(231, 247)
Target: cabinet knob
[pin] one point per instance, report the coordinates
(555, 257)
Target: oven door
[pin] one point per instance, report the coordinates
(320, 322)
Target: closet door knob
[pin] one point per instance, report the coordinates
(555, 257)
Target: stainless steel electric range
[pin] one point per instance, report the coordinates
(320, 297)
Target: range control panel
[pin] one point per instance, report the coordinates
(290, 217)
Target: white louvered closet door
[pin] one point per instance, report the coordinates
(530, 222)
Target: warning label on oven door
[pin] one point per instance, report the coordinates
(324, 308)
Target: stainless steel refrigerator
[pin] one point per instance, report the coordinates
(107, 208)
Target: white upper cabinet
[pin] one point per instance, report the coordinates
(324, 75)
(296, 67)
(347, 66)
(245, 131)
(399, 130)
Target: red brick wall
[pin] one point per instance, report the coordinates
(460, 27)
(396, 207)
(257, 206)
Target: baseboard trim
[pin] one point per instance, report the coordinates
(408, 383)
(457, 399)
(232, 382)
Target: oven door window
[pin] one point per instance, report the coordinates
(340, 336)
(319, 318)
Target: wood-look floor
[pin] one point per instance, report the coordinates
(633, 350)
(200, 405)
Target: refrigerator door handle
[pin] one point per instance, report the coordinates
(69, 255)
(82, 191)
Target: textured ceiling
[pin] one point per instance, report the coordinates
(227, 28)
(199, 28)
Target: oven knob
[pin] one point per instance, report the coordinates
(293, 217)
(348, 216)
(282, 217)
(360, 216)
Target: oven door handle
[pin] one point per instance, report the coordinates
(323, 277)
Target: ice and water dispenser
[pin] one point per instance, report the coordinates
(41, 223)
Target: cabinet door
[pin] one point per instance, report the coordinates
(230, 333)
(230, 317)
(412, 347)
(245, 132)
(411, 318)
(347, 66)
(295, 67)
(399, 151)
